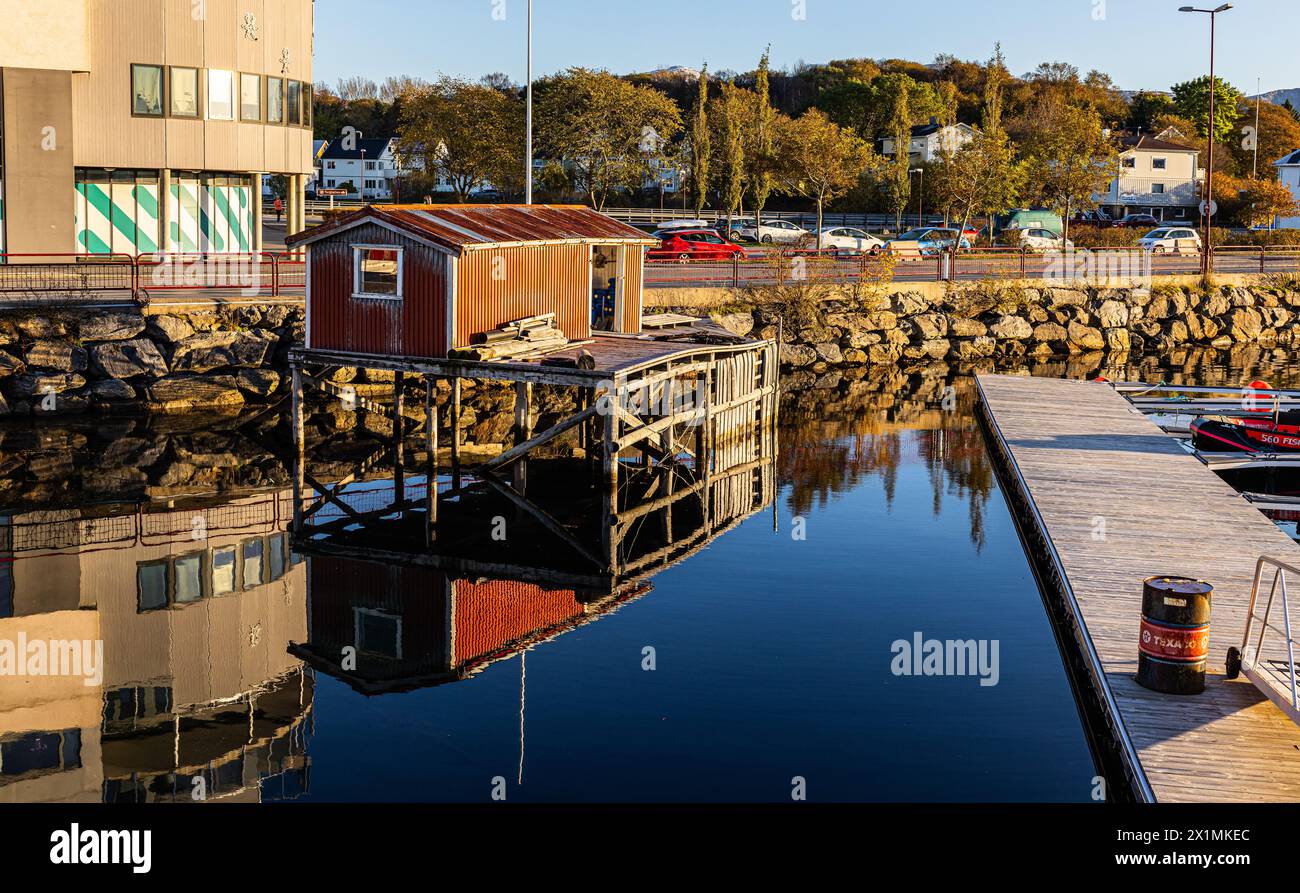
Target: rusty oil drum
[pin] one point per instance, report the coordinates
(1175, 635)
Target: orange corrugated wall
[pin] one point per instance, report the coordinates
(491, 613)
(528, 280)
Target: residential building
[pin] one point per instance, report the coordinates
(1157, 177)
(134, 126)
(1288, 171)
(930, 140)
(347, 162)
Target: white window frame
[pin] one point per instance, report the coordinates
(358, 613)
(1159, 164)
(356, 272)
(230, 79)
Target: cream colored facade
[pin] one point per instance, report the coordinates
(77, 146)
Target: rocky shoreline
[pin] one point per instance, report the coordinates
(982, 321)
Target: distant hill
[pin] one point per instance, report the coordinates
(1280, 96)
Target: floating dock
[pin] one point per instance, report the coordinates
(1105, 499)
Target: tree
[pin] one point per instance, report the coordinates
(700, 148)
(898, 179)
(729, 122)
(468, 133)
(985, 177)
(1263, 200)
(354, 88)
(1071, 160)
(760, 140)
(1278, 135)
(1192, 101)
(820, 160)
(609, 132)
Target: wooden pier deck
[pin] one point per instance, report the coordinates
(1078, 456)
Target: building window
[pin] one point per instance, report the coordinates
(184, 92)
(251, 555)
(223, 570)
(377, 272)
(221, 95)
(1157, 188)
(377, 632)
(250, 97)
(147, 90)
(1129, 162)
(1158, 164)
(187, 578)
(151, 585)
(295, 103)
(275, 556)
(274, 101)
(307, 105)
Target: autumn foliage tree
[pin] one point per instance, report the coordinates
(818, 159)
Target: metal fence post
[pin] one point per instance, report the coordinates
(275, 276)
(735, 271)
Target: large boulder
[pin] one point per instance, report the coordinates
(36, 384)
(1085, 338)
(966, 328)
(170, 329)
(797, 355)
(222, 350)
(1011, 328)
(10, 364)
(119, 326)
(182, 393)
(56, 354)
(1112, 315)
(128, 359)
(258, 382)
(112, 390)
(829, 352)
(736, 323)
(1245, 325)
(1050, 332)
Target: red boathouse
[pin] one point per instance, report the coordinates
(421, 280)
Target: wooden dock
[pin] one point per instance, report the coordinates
(1076, 456)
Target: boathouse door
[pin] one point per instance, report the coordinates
(606, 287)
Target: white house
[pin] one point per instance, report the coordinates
(371, 160)
(929, 140)
(1288, 171)
(1157, 177)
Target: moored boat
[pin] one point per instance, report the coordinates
(1278, 433)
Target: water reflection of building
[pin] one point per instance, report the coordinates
(194, 605)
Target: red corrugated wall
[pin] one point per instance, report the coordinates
(491, 613)
(414, 326)
(496, 285)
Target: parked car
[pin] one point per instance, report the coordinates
(850, 240)
(781, 232)
(1171, 240)
(1043, 240)
(926, 241)
(684, 224)
(1135, 221)
(1031, 218)
(693, 244)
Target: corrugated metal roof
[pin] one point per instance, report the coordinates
(464, 227)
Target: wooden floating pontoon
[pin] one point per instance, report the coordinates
(1105, 499)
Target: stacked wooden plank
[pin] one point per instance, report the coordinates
(530, 336)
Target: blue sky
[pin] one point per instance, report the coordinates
(1141, 43)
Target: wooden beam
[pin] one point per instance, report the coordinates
(399, 439)
(431, 461)
(523, 431)
(542, 516)
(529, 445)
(455, 433)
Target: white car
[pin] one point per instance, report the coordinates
(1171, 240)
(1043, 240)
(771, 232)
(684, 224)
(849, 240)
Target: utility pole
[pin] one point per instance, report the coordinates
(528, 117)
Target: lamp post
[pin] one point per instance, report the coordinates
(920, 192)
(528, 115)
(1207, 263)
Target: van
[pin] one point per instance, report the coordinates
(1027, 218)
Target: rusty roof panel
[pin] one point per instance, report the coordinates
(461, 227)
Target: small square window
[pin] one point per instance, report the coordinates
(151, 582)
(1158, 164)
(147, 90)
(378, 272)
(184, 92)
(250, 97)
(1129, 162)
(1157, 188)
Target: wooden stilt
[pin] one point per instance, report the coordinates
(609, 506)
(299, 448)
(399, 451)
(455, 433)
(523, 431)
(431, 461)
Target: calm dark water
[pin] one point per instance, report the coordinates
(771, 644)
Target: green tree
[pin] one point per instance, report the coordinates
(1071, 161)
(730, 123)
(700, 147)
(610, 133)
(759, 139)
(1192, 101)
(898, 179)
(820, 160)
(467, 133)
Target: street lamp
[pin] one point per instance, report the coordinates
(920, 192)
(1207, 263)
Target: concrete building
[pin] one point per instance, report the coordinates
(928, 141)
(135, 126)
(1288, 172)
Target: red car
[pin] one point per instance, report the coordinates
(685, 245)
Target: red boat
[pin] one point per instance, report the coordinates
(1248, 435)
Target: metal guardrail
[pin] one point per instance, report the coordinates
(1266, 674)
(94, 278)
